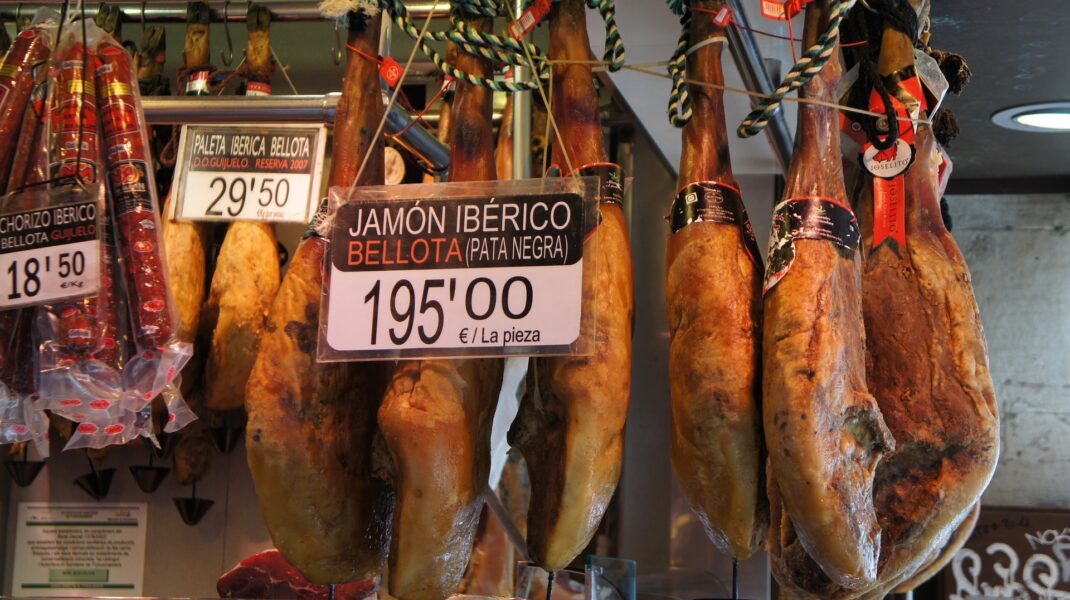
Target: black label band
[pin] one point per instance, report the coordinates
(714, 202)
(809, 219)
(318, 219)
(610, 182)
(128, 182)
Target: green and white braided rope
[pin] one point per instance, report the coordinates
(613, 55)
(614, 48)
(809, 65)
(679, 99)
(678, 7)
(488, 46)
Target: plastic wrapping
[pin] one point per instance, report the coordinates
(103, 358)
(23, 100)
(132, 206)
(25, 63)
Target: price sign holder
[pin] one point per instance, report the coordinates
(256, 172)
(474, 269)
(50, 253)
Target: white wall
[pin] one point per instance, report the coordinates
(1018, 250)
(180, 561)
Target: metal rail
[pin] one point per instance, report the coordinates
(168, 11)
(748, 59)
(168, 110)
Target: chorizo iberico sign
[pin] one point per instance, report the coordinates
(485, 269)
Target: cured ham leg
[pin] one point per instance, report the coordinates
(927, 363)
(823, 430)
(186, 242)
(246, 275)
(929, 370)
(312, 425)
(437, 415)
(185, 245)
(714, 294)
(503, 154)
(570, 427)
(958, 539)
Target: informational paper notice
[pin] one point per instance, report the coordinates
(74, 549)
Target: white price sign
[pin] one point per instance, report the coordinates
(249, 172)
(487, 274)
(49, 254)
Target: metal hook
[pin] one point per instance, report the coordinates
(336, 52)
(143, 19)
(228, 56)
(18, 19)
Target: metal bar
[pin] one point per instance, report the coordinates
(288, 109)
(521, 121)
(511, 531)
(748, 59)
(168, 11)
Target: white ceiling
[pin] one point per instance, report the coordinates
(650, 31)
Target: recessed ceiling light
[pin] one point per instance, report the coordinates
(1042, 117)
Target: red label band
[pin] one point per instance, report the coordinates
(257, 88)
(889, 210)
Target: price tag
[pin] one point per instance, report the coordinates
(249, 172)
(458, 269)
(49, 254)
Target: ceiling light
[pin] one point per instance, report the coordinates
(1042, 117)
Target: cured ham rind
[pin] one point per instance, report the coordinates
(186, 247)
(823, 429)
(714, 297)
(928, 367)
(186, 242)
(436, 417)
(571, 421)
(246, 275)
(944, 556)
(312, 425)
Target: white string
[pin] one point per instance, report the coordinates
(393, 98)
(717, 39)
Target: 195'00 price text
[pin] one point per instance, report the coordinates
(447, 310)
(480, 303)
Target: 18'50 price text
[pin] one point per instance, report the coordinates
(47, 274)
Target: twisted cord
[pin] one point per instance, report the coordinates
(679, 98)
(614, 48)
(492, 47)
(810, 64)
(613, 54)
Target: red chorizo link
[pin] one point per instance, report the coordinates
(133, 206)
(31, 48)
(88, 326)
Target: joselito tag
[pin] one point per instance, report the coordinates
(458, 269)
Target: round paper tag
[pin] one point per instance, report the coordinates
(395, 167)
(888, 163)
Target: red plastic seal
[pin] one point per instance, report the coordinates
(529, 19)
(390, 71)
(782, 10)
